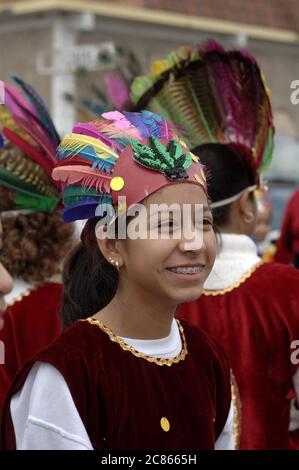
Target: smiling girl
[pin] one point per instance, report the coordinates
(128, 375)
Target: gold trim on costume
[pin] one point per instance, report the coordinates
(26, 293)
(237, 411)
(157, 360)
(56, 279)
(236, 284)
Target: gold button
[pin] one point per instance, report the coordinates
(165, 425)
(117, 183)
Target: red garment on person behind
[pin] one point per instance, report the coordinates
(122, 398)
(255, 323)
(288, 243)
(30, 324)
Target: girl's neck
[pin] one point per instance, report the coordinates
(130, 317)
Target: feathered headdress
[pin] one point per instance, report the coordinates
(27, 160)
(129, 154)
(212, 95)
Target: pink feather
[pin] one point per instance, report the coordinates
(88, 128)
(88, 177)
(117, 89)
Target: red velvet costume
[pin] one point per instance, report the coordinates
(30, 324)
(256, 334)
(121, 398)
(288, 244)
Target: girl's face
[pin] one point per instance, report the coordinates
(172, 269)
(6, 282)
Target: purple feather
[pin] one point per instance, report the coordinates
(149, 124)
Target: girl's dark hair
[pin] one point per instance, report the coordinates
(89, 280)
(228, 173)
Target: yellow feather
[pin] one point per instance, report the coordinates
(77, 142)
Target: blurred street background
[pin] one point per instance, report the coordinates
(67, 49)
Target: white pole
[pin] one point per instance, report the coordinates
(63, 111)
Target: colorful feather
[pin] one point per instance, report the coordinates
(87, 147)
(26, 117)
(40, 107)
(88, 177)
(211, 95)
(29, 150)
(87, 157)
(26, 165)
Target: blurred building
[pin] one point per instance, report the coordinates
(39, 41)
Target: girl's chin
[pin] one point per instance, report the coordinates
(187, 297)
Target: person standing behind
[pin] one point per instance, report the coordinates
(288, 242)
(35, 239)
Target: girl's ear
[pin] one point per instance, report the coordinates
(247, 209)
(109, 246)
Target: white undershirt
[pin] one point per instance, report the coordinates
(44, 414)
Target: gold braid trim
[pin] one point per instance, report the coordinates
(236, 284)
(237, 411)
(126, 347)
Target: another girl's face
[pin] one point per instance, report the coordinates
(6, 282)
(172, 269)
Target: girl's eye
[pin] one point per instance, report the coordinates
(168, 223)
(207, 222)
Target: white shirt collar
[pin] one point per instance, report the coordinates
(20, 287)
(164, 348)
(237, 255)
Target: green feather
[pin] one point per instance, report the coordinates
(36, 203)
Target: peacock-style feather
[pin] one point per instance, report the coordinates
(211, 95)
